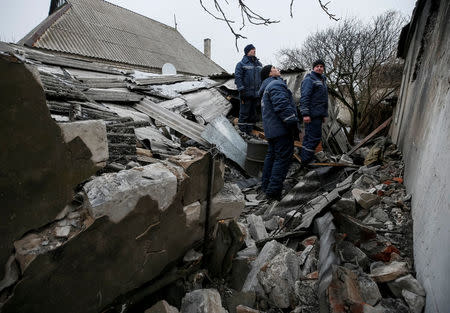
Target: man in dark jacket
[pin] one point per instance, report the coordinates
(248, 81)
(280, 126)
(314, 109)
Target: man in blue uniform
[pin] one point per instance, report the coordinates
(248, 81)
(280, 127)
(314, 109)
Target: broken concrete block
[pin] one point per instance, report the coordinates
(370, 309)
(414, 301)
(389, 272)
(227, 203)
(256, 227)
(278, 278)
(162, 307)
(369, 289)
(116, 194)
(202, 301)
(92, 133)
(268, 252)
(196, 162)
(38, 169)
(274, 223)
(365, 199)
(407, 282)
(343, 292)
(305, 254)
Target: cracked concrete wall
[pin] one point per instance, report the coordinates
(421, 129)
(38, 170)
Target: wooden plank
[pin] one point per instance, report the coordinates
(371, 135)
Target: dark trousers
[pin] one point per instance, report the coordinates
(313, 135)
(276, 164)
(247, 114)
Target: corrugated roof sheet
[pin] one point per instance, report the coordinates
(98, 29)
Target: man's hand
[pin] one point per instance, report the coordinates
(324, 120)
(306, 119)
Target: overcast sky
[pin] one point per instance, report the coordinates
(18, 17)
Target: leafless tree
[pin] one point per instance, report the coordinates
(361, 64)
(215, 8)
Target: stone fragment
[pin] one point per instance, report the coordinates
(346, 206)
(278, 278)
(390, 305)
(414, 301)
(380, 215)
(242, 266)
(350, 253)
(305, 254)
(242, 299)
(193, 214)
(274, 223)
(389, 272)
(256, 227)
(343, 292)
(407, 282)
(346, 159)
(245, 309)
(365, 182)
(293, 218)
(196, 162)
(365, 199)
(369, 289)
(227, 203)
(116, 194)
(132, 164)
(306, 292)
(202, 301)
(92, 133)
(162, 307)
(63, 231)
(228, 239)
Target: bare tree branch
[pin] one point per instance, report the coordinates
(249, 15)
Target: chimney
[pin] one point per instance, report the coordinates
(207, 48)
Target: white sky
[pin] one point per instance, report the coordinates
(18, 17)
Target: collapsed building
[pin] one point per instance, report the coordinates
(126, 189)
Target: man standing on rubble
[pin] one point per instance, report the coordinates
(248, 81)
(314, 109)
(280, 128)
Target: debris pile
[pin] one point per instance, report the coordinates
(343, 246)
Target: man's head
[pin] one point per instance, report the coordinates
(250, 50)
(319, 66)
(269, 71)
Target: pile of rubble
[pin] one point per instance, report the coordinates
(344, 246)
(124, 203)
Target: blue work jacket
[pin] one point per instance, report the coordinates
(247, 76)
(278, 108)
(314, 96)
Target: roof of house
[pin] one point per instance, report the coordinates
(101, 30)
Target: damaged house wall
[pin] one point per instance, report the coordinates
(421, 129)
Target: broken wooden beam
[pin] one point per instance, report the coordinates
(371, 135)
